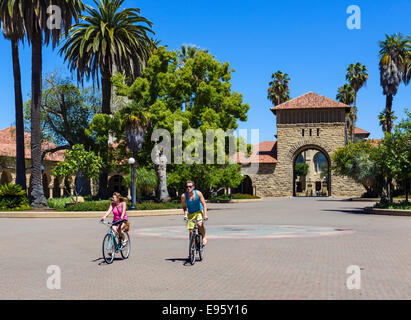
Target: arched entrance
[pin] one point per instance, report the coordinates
(311, 172)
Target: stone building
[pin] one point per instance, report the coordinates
(312, 125)
(53, 187)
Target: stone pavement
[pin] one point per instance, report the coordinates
(304, 267)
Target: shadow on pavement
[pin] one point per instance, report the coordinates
(351, 211)
(186, 261)
(102, 262)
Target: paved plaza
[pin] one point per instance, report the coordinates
(274, 249)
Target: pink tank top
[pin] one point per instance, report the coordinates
(118, 212)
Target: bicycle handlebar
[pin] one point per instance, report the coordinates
(112, 223)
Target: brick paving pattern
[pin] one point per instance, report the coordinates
(277, 268)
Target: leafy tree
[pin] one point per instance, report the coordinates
(301, 169)
(279, 91)
(146, 181)
(14, 31)
(394, 56)
(78, 162)
(197, 94)
(66, 112)
(359, 161)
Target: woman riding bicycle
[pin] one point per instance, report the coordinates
(119, 209)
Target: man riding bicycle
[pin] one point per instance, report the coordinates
(194, 201)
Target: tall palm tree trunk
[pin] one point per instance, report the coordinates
(20, 157)
(388, 108)
(37, 194)
(106, 88)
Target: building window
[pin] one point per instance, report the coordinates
(318, 132)
(303, 133)
(311, 132)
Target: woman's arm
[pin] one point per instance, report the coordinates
(107, 213)
(124, 210)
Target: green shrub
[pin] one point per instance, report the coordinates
(403, 205)
(59, 203)
(236, 196)
(12, 197)
(103, 205)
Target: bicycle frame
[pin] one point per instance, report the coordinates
(113, 238)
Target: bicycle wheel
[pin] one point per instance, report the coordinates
(201, 247)
(192, 249)
(109, 249)
(125, 252)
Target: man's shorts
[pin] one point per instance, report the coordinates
(194, 216)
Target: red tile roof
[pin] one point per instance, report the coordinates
(358, 131)
(310, 100)
(8, 145)
(267, 153)
(375, 142)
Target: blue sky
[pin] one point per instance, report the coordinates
(309, 40)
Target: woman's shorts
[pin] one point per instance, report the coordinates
(194, 216)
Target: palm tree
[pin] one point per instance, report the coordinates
(108, 39)
(395, 55)
(346, 95)
(189, 52)
(33, 17)
(279, 92)
(357, 77)
(13, 29)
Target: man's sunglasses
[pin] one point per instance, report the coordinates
(189, 187)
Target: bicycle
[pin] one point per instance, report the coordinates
(196, 242)
(112, 244)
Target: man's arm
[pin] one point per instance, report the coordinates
(183, 204)
(200, 195)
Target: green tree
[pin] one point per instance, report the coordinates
(301, 169)
(13, 30)
(78, 162)
(346, 95)
(164, 88)
(394, 57)
(146, 181)
(108, 39)
(66, 112)
(279, 91)
(357, 77)
(359, 161)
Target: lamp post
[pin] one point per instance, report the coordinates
(132, 161)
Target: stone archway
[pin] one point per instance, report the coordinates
(318, 184)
